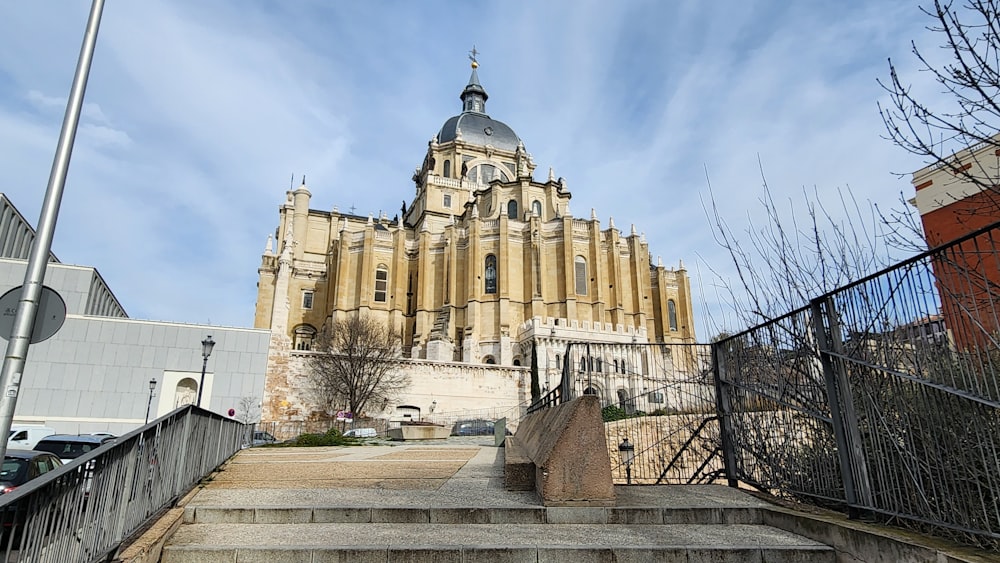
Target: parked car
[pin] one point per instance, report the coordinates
(361, 433)
(474, 427)
(71, 446)
(260, 438)
(21, 466)
(25, 436)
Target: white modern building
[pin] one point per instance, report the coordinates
(94, 374)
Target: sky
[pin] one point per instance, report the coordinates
(200, 114)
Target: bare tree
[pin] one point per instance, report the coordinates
(356, 365)
(968, 116)
(248, 411)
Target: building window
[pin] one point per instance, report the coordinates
(302, 337)
(447, 200)
(672, 314)
(581, 275)
(598, 365)
(512, 209)
(491, 274)
(381, 282)
(558, 361)
(447, 168)
(536, 208)
(489, 360)
(656, 397)
(307, 300)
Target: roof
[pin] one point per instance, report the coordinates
(473, 125)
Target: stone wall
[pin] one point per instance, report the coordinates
(443, 391)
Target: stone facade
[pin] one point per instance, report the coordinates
(480, 260)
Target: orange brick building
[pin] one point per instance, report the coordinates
(952, 206)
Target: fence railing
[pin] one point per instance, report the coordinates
(84, 511)
(880, 398)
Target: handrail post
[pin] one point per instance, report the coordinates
(853, 469)
(724, 407)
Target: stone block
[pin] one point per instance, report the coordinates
(499, 554)
(425, 554)
(400, 515)
(274, 555)
(216, 515)
(343, 515)
(283, 516)
(517, 516)
(568, 446)
(198, 554)
(351, 555)
(575, 515)
(459, 515)
(724, 555)
(800, 554)
(635, 516)
(518, 469)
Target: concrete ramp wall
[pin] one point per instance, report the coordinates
(562, 453)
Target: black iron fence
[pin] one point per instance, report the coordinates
(84, 510)
(880, 398)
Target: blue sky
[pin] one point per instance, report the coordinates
(198, 113)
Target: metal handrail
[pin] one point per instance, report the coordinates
(85, 510)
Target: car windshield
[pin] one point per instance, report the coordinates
(13, 470)
(65, 450)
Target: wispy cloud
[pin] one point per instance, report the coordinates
(198, 114)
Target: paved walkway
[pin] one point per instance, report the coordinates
(456, 473)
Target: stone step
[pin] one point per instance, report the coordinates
(444, 543)
(470, 515)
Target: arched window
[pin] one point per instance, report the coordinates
(672, 314)
(581, 275)
(491, 273)
(447, 168)
(598, 365)
(517, 362)
(489, 360)
(590, 391)
(616, 366)
(302, 337)
(536, 208)
(558, 361)
(186, 392)
(381, 282)
(512, 209)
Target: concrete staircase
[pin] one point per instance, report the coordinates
(709, 529)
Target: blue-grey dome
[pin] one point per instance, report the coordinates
(473, 125)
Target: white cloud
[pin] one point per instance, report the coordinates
(198, 113)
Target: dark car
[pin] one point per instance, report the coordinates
(474, 427)
(21, 466)
(71, 446)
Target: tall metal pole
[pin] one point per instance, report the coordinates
(27, 307)
(204, 366)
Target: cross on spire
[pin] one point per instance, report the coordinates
(472, 57)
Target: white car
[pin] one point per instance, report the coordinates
(361, 433)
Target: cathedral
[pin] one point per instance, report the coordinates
(484, 261)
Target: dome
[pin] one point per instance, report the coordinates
(473, 125)
(479, 129)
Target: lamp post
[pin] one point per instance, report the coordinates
(152, 386)
(627, 453)
(206, 351)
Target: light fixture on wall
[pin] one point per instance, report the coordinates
(152, 386)
(627, 453)
(206, 351)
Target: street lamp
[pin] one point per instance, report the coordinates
(206, 351)
(152, 386)
(627, 453)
